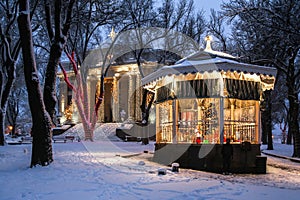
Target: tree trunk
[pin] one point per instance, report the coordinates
(264, 129)
(267, 120)
(289, 137)
(148, 98)
(57, 47)
(290, 132)
(269, 123)
(6, 88)
(41, 126)
(50, 98)
(294, 104)
(293, 120)
(2, 127)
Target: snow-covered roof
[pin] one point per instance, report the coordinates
(208, 61)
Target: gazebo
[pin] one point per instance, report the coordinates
(203, 100)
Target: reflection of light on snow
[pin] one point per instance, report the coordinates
(114, 155)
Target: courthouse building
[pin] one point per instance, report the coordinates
(122, 85)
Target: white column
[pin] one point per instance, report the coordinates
(138, 113)
(101, 109)
(115, 95)
(130, 98)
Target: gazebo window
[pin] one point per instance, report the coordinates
(164, 127)
(198, 118)
(241, 120)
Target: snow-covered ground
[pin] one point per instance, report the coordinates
(112, 169)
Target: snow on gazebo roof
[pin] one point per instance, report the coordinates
(208, 60)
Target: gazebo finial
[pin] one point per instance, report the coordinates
(112, 33)
(208, 40)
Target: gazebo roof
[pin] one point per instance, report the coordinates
(208, 61)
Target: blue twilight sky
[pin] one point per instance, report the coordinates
(206, 5)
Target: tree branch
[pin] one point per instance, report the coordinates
(66, 78)
(68, 20)
(48, 20)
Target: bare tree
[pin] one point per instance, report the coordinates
(268, 31)
(41, 128)
(216, 27)
(9, 49)
(58, 38)
(81, 100)
(172, 17)
(13, 108)
(136, 15)
(89, 21)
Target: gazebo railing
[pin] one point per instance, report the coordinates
(166, 132)
(186, 132)
(207, 130)
(240, 131)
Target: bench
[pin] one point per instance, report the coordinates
(26, 140)
(129, 138)
(63, 138)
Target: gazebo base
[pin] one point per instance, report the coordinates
(208, 157)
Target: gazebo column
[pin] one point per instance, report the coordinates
(257, 123)
(221, 120)
(174, 119)
(232, 109)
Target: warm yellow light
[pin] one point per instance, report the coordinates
(208, 38)
(69, 112)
